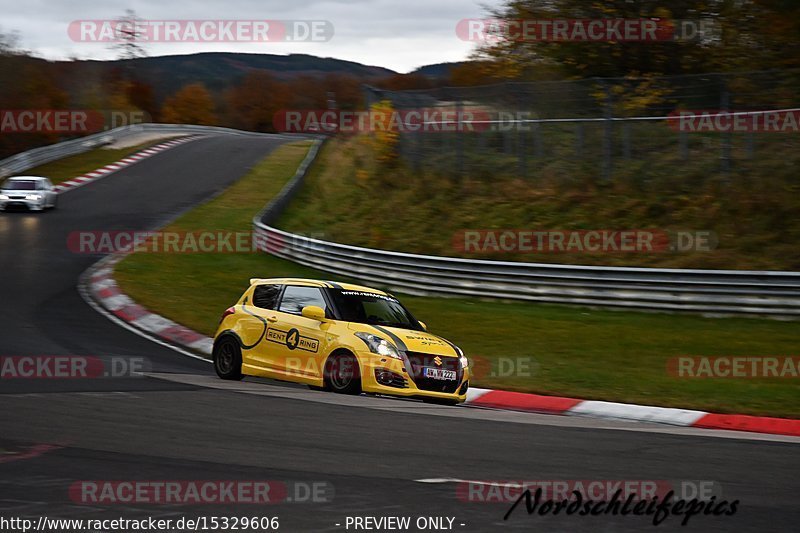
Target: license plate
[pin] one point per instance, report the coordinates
(439, 373)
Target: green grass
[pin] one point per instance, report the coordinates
(350, 199)
(608, 355)
(77, 165)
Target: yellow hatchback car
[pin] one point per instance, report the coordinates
(338, 337)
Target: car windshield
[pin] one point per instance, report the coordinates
(19, 185)
(374, 309)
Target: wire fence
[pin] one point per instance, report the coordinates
(609, 127)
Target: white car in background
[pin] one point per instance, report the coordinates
(34, 193)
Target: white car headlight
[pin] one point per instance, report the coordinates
(461, 357)
(379, 346)
(33, 197)
(3, 197)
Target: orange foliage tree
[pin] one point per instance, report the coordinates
(192, 104)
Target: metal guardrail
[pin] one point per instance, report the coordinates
(707, 291)
(770, 293)
(44, 154)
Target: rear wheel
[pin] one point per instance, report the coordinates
(342, 374)
(228, 359)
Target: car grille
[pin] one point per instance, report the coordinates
(17, 197)
(420, 360)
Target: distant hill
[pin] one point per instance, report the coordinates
(218, 70)
(438, 70)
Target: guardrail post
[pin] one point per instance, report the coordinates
(579, 139)
(725, 155)
(683, 145)
(608, 133)
(459, 140)
(626, 140)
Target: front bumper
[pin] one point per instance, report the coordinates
(21, 203)
(377, 372)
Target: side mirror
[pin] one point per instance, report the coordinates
(423, 324)
(313, 312)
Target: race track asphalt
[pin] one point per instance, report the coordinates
(369, 454)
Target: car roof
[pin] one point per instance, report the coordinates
(26, 178)
(314, 283)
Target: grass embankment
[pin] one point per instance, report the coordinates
(353, 200)
(617, 356)
(77, 165)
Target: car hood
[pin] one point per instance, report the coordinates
(412, 340)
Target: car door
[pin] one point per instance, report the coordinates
(260, 314)
(300, 340)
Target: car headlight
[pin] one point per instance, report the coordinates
(33, 197)
(461, 357)
(3, 197)
(379, 346)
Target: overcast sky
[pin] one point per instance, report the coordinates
(397, 34)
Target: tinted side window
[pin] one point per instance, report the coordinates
(296, 298)
(266, 296)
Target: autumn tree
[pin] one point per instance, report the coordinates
(307, 92)
(252, 103)
(129, 36)
(192, 104)
(141, 96)
(402, 82)
(745, 35)
(345, 89)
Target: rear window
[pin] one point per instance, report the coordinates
(20, 185)
(266, 296)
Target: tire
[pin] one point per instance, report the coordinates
(228, 359)
(342, 374)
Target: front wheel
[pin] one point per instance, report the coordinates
(342, 374)
(228, 359)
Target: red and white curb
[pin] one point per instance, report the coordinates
(122, 163)
(103, 291)
(624, 411)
